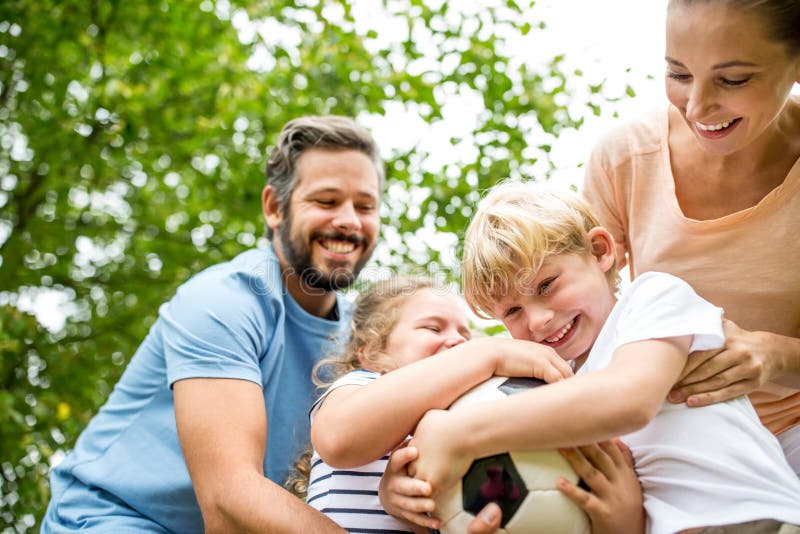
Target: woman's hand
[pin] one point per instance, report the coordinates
(745, 363)
(614, 504)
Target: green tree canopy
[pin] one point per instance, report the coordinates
(132, 148)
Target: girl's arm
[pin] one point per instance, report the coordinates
(591, 407)
(358, 424)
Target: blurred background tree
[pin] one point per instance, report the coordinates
(132, 149)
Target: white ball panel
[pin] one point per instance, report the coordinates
(484, 392)
(449, 503)
(459, 524)
(541, 469)
(548, 512)
(545, 510)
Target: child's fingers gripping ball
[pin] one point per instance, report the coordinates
(523, 484)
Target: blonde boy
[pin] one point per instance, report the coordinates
(538, 261)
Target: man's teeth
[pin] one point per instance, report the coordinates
(714, 127)
(561, 333)
(339, 247)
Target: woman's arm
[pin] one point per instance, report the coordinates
(358, 424)
(747, 361)
(588, 408)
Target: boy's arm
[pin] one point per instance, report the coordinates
(358, 424)
(591, 407)
(222, 426)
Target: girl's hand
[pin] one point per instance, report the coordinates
(409, 499)
(440, 463)
(747, 361)
(405, 497)
(520, 358)
(614, 504)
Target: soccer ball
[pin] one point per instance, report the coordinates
(522, 483)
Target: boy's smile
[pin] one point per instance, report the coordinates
(563, 335)
(564, 306)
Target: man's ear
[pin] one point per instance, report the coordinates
(603, 248)
(271, 208)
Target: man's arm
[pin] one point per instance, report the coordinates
(222, 426)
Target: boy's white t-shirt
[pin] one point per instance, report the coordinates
(709, 466)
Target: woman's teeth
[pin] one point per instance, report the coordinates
(714, 127)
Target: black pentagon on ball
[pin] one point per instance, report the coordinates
(493, 479)
(520, 384)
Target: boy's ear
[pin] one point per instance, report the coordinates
(603, 248)
(270, 207)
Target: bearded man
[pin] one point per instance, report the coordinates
(202, 427)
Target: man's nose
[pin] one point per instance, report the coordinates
(346, 218)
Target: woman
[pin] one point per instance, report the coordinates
(709, 190)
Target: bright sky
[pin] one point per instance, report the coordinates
(603, 39)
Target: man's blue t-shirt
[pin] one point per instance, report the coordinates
(233, 320)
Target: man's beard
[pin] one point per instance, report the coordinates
(298, 255)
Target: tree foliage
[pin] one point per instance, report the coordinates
(132, 148)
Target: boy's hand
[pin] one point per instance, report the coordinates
(520, 358)
(440, 463)
(614, 504)
(405, 497)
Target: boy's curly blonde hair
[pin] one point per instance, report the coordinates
(516, 227)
